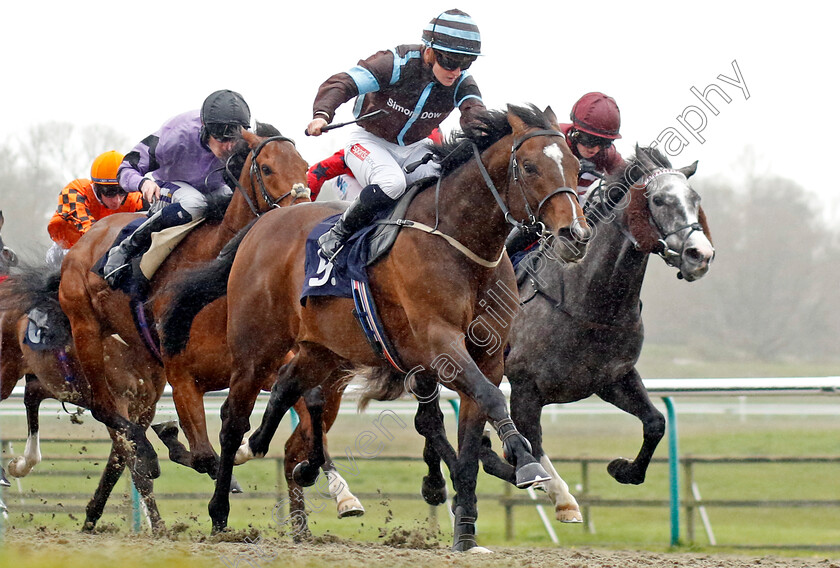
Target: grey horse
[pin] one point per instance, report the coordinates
(580, 331)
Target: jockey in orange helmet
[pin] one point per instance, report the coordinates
(84, 201)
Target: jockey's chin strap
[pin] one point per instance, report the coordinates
(671, 257)
(255, 172)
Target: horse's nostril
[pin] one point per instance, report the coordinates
(695, 255)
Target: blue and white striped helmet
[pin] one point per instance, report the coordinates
(453, 31)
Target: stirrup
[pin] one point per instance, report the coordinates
(321, 246)
(111, 277)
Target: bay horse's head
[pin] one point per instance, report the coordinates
(8, 258)
(542, 178)
(267, 170)
(664, 213)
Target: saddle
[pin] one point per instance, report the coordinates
(144, 267)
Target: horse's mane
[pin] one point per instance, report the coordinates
(486, 129)
(240, 152)
(617, 185)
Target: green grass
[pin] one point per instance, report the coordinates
(601, 435)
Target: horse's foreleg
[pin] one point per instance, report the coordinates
(465, 476)
(306, 472)
(34, 393)
(244, 388)
(490, 400)
(629, 394)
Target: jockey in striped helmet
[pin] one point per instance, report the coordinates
(408, 91)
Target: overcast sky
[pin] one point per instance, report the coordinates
(132, 65)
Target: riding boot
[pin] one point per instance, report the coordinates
(140, 240)
(361, 212)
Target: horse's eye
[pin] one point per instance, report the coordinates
(530, 168)
(266, 170)
(658, 200)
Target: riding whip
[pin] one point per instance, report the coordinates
(340, 124)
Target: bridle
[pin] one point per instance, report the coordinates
(255, 173)
(532, 223)
(671, 257)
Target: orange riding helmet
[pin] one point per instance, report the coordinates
(104, 168)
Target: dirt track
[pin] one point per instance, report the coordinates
(403, 550)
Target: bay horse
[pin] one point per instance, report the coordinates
(579, 332)
(273, 174)
(54, 372)
(430, 292)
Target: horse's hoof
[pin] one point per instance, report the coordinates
(350, 507)
(147, 466)
(17, 468)
(623, 471)
(3, 481)
(166, 430)
(433, 494)
(244, 453)
(568, 515)
(529, 474)
(234, 486)
(479, 550)
(303, 474)
(88, 527)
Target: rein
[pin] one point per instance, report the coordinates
(256, 173)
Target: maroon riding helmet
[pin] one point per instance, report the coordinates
(597, 114)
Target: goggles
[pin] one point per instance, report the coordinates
(108, 190)
(451, 61)
(591, 141)
(224, 132)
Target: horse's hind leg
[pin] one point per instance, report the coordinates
(347, 505)
(428, 421)
(629, 394)
(87, 337)
(34, 393)
(526, 406)
(113, 470)
(145, 486)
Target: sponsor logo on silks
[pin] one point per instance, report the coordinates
(425, 115)
(359, 151)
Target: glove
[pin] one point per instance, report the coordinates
(587, 167)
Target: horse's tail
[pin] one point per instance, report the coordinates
(192, 290)
(32, 287)
(380, 383)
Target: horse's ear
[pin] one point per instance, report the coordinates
(690, 170)
(516, 123)
(251, 138)
(551, 117)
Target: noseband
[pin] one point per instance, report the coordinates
(532, 224)
(256, 174)
(670, 256)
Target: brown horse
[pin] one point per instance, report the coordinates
(273, 174)
(435, 297)
(54, 372)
